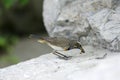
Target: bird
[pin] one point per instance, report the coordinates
(61, 44)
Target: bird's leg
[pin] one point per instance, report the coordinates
(82, 50)
(62, 56)
(79, 46)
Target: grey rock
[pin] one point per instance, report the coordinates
(94, 22)
(80, 66)
(106, 23)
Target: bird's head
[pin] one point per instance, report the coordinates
(43, 40)
(79, 46)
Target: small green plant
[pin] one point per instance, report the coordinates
(3, 41)
(6, 42)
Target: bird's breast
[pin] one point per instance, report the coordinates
(55, 47)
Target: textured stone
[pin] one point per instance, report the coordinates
(106, 23)
(94, 22)
(88, 66)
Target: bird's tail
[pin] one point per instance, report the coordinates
(38, 37)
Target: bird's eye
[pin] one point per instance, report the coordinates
(66, 20)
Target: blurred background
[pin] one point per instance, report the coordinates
(19, 19)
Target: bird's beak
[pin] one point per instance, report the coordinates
(42, 41)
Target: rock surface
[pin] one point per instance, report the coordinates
(89, 66)
(95, 22)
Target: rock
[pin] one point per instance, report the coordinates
(106, 23)
(94, 22)
(89, 66)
